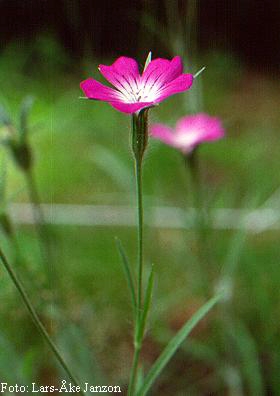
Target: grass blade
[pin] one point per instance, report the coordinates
(146, 308)
(140, 379)
(248, 355)
(174, 344)
(127, 271)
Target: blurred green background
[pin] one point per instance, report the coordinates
(82, 156)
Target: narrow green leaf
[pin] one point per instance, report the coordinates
(174, 344)
(127, 271)
(148, 60)
(140, 379)
(247, 352)
(146, 307)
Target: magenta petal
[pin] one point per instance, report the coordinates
(94, 90)
(163, 132)
(207, 128)
(180, 84)
(130, 107)
(123, 73)
(215, 128)
(125, 65)
(155, 70)
(162, 78)
(175, 69)
(190, 131)
(162, 71)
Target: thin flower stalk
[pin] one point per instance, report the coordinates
(189, 133)
(139, 144)
(135, 94)
(200, 224)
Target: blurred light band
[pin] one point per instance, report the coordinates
(258, 220)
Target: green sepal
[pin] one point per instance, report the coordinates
(140, 133)
(148, 60)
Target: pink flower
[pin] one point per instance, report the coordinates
(189, 132)
(132, 91)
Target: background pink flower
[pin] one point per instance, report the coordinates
(189, 131)
(132, 91)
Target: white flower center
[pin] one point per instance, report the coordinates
(138, 91)
(186, 139)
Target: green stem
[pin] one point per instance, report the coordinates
(138, 167)
(138, 343)
(37, 320)
(139, 144)
(134, 370)
(192, 163)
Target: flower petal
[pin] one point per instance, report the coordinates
(162, 71)
(94, 90)
(163, 132)
(180, 84)
(123, 74)
(206, 128)
(130, 107)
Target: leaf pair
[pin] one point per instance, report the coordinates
(131, 286)
(176, 341)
